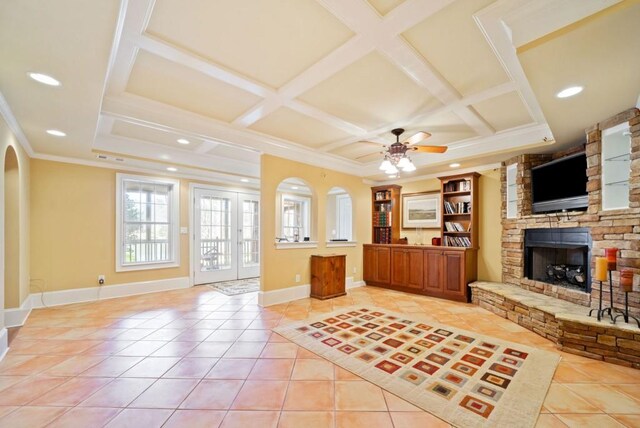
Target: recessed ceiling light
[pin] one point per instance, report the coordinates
(184, 141)
(56, 133)
(44, 78)
(172, 169)
(295, 187)
(569, 92)
(244, 180)
(454, 165)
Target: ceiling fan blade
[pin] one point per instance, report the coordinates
(430, 149)
(416, 138)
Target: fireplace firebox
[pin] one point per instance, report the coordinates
(559, 256)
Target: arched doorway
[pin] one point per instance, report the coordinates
(11, 230)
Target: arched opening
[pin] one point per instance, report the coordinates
(339, 215)
(295, 220)
(11, 230)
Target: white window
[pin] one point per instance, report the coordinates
(147, 220)
(295, 217)
(343, 217)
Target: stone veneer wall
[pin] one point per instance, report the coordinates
(613, 228)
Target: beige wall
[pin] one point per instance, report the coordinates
(19, 226)
(73, 223)
(11, 229)
(489, 255)
(279, 267)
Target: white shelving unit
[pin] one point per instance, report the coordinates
(616, 167)
(512, 195)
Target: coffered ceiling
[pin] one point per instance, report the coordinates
(317, 81)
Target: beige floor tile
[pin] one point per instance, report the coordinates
(137, 418)
(119, 393)
(306, 420)
(29, 389)
(85, 417)
(244, 419)
(561, 399)
(607, 399)
(232, 368)
(151, 367)
(363, 420)
(213, 395)
(272, 369)
(280, 350)
(359, 396)
(312, 369)
(31, 417)
(310, 395)
(195, 368)
(261, 395)
(589, 421)
(397, 404)
(165, 394)
(72, 392)
(631, 421)
(195, 419)
(416, 419)
(549, 421)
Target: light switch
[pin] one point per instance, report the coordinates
(184, 230)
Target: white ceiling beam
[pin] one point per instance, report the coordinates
(206, 146)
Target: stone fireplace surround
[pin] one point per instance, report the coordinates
(613, 228)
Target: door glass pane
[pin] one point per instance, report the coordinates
(215, 233)
(250, 234)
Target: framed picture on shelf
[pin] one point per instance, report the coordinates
(421, 210)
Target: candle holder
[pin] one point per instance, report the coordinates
(599, 310)
(610, 309)
(626, 284)
(602, 265)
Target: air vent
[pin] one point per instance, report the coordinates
(120, 159)
(102, 157)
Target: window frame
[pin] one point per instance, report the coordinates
(174, 222)
(306, 215)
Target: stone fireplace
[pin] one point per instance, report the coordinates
(559, 256)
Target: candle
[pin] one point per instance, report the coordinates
(611, 254)
(601, 269)
(626, 280)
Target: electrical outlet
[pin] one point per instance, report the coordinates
(297, 277)
(101, 280)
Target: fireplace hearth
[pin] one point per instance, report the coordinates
(558, 256)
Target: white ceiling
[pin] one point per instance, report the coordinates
(317, 81)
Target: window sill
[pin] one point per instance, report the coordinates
(146, 266)
(293, 245)
(336, 244)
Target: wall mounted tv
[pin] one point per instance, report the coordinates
(560, 185)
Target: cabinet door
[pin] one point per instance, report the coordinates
(369, 264)
(433, 271)
(413, 268)
(453, 271)
(398, 267)
(383, 265)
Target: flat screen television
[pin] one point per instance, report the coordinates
(560, 185)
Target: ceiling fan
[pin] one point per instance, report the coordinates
(395, 155)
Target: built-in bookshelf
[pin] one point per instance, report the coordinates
(459, 210)
(385, 214)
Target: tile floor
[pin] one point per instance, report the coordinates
(197, 358)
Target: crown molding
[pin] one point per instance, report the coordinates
(14, 126)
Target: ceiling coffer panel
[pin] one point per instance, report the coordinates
(165, 81)
(270, 41)
(295, 127)
(504, 112)
(451, 41)
(153, 135)
(371, 92)
(385, 6)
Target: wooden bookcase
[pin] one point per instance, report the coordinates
(385, 214)
(459, 210)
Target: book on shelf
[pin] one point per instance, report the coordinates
(454, 227)
(382, 218)
(458, 186)
(457, 241)
(457, 208)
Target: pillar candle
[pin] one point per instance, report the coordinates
(626, 280)
(601, 269)
(611, 254)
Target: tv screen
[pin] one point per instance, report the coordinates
(560, 184)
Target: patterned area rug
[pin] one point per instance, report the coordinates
(467, 379)
(240, 286)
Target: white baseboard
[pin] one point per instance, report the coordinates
(4, 343)
(284, 295)
(17, 316)
(90, 294)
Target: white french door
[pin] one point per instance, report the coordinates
(226, 236)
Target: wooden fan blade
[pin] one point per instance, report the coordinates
(430, 149)
(416, 138)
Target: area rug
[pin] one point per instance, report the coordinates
(240, 286)
(464, 378)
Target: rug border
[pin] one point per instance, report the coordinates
(548, 370)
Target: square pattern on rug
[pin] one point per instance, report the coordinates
(467, 379)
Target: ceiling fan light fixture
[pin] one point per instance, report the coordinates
(404, 162)
(391, 170)
(409, 168)
(385, 165)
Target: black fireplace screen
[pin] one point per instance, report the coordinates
(559, 256)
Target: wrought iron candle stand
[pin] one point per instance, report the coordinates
(626, 284)
(599, 310)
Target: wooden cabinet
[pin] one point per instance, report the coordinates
(433, 271)
(328, 276)
(377, 264)
(385, 214)
(406, 267)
